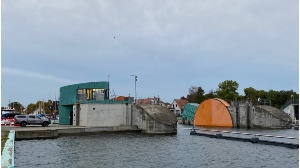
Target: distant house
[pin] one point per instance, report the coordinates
(124, 98)
(189, 113)
(38, 111)
(168, 105)
(148, 101)
(177, 106)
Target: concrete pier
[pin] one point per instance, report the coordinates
(52, 132)
(252, 139)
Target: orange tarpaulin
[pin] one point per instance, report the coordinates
(213, 112)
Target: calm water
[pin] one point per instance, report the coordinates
(138, 150)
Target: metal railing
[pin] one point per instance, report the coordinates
(289, 102)
(104, 102)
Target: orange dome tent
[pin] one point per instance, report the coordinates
(213, 112)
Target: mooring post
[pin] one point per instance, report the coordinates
(193, 131)
(219, 136)
(254, 140)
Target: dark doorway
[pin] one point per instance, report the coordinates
(71, 117)
(296, 109)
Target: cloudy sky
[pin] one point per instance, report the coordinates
(170, 45)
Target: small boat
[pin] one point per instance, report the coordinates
(7, 122)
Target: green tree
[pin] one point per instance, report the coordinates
(279, 98)
(44, 107)
(196, 94)
(210, 94)
(275, 98)
(250, 94)
(228, 90)
(262, 94)
(48, 106)
(17, 106)
(191, 96)
(30, 108)
(182, 98)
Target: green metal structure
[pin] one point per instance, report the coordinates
(189, 111)
(83, 93)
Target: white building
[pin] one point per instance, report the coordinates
(177, 106)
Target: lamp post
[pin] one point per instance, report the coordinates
(135, 79)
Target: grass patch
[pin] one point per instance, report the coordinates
(4, 135)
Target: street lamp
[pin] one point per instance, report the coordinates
(135, 79)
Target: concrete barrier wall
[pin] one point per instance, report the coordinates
(103, 115)
(156, 119)
(97, 130)
(36, 134)
(55, 133)
(148, 124)
(264, 118)
(254, 117)
(239, 118)
(290, 110)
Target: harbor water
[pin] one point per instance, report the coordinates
(140, 150)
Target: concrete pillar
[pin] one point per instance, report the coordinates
(183, 121)
(77, 114)
(237, 116)
(248, 119)
(128, 115)
(131, 116)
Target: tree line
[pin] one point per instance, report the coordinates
(227, 90)
(49, 107)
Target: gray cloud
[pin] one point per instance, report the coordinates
(178, 43)
(35, 75)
